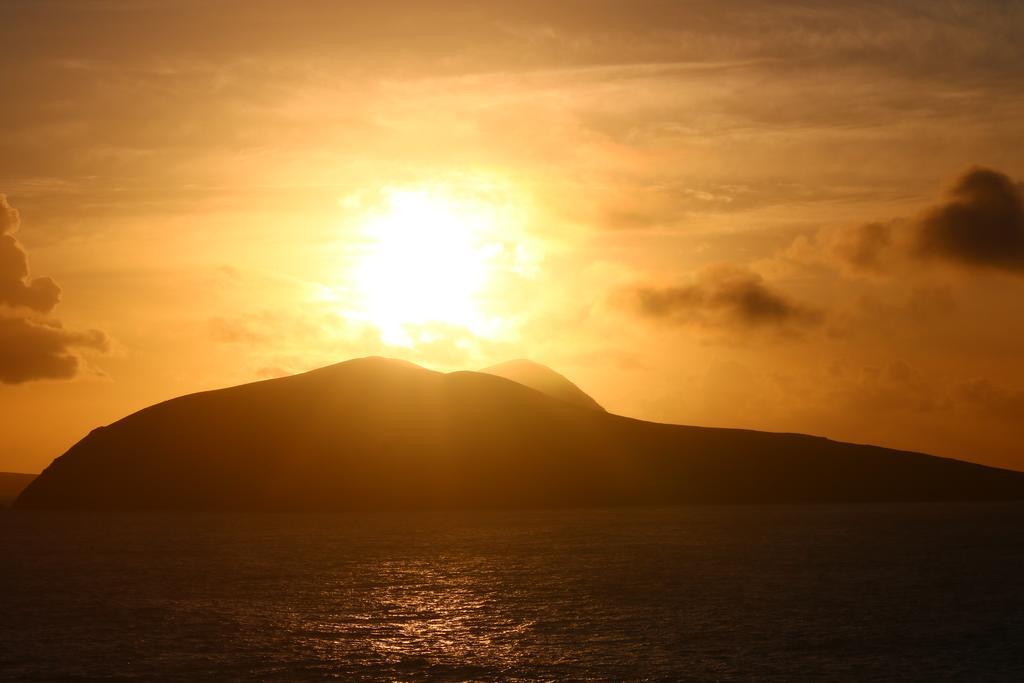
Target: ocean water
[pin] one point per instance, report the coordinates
(866, 592)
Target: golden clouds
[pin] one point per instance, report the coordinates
(17, 290)
(654, 142)
(32, 345)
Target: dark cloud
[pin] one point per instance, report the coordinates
(33, 346)
(981, 224)
(41, 349)
(16, 289)
(722, 296)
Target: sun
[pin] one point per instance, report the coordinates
(434, 260)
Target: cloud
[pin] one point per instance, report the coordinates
(9, 218)
(865, 249)
(890, 388)
(993, 400)
(240, 331)
(32, 345)
(862, 248)
(41, 349)
(722, 296)
(981, 224)
(16, 289)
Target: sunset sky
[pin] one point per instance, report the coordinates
(788, 216)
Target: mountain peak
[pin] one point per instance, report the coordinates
(377, 361)
(367, 364)
(380, 434)
(543, 379)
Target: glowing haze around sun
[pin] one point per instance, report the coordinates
(435, 259)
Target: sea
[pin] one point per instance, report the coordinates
(916, 592)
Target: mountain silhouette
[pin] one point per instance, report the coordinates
(543, 379)
(11, 484)
(374, 433)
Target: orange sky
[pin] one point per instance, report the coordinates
(787, 216)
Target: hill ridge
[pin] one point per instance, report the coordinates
(543, 379)
(371, 434)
